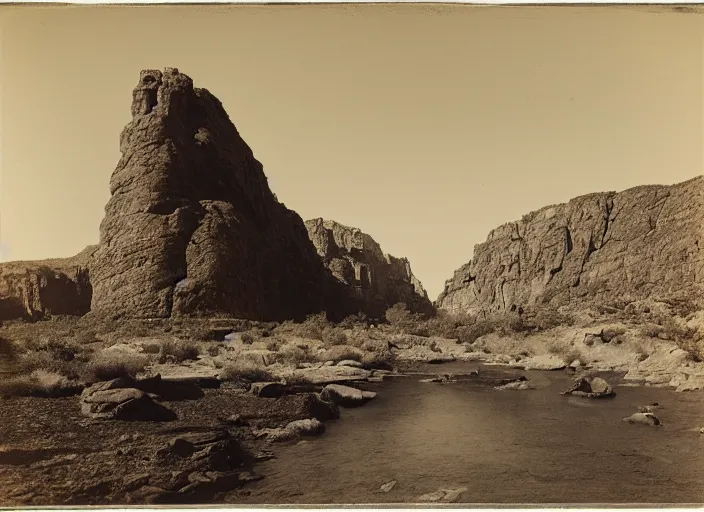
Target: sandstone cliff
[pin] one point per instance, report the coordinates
(374, 280)
(37, 289)
(192, 227)
(599, 248)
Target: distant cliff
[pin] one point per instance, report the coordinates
(374, 280)
(33, 290)
(600, 248)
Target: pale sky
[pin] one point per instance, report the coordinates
(425, 127)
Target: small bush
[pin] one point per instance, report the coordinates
(151, 348)
(248, 338)
(214, 350)
(8, 349)
(274, 344)
(111, 364)
(356, 320)
(39, 383)
(334, 336)
(341, 353)
(178, 351)
(245, 371)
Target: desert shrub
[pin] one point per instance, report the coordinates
(86, 337)
(295, 355)
(274, 344)
(357, 320)
(39, 383)
(402, 320)
(334, 336)
(214, 350)
(8, 349)
(248, 338)
(151, 348)
(470, 333)
(178, 351)
(245, 371)
(572, 355)
(54, 355)
(340, 353)
(312, 327)
(111, 364)
(382, 360)
(609, 333)
(650, 330)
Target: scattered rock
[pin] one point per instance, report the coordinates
(279, 411)
(546, 362)
(293, 430)
(350, 362)
(112, 400)
(443, 495)
(643, 418)
(345, 396)
(268, 389)
(388, 486)
(591, 387)
(515, 385)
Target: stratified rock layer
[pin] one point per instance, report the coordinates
(192, 227)
(374, 280)
(600, 248)
(33, 290)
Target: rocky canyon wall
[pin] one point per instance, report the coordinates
(598, 248)
(372, 279)
(35, 290)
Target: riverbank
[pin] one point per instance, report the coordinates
(237, 393)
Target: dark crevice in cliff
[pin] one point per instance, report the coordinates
(607, 220)
(568, 240)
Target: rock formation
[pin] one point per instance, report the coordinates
(374, 280)
(192, 227)
(600, 248)
(33, 290)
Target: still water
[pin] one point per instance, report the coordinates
(509, 447)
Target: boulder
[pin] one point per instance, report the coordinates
(643, 418)
(127, 404)
(339, 353)
(346, 396)
(443, 495)
(293, 430)
(280, 411)
(267, 389)
(591, 387)
(332, 374)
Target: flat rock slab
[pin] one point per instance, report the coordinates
(332, 374)
(346, 396)
(443, 495)
(118, 400)
(545, 362)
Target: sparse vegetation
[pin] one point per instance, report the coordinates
(178, 351)
(111, 364)
(39, 383)
(334, 336)
(245, 371)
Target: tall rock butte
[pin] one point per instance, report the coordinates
(599, 248)
(192, 227)
(374, 280)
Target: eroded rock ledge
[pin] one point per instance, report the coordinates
(601, 248)
(373, 279)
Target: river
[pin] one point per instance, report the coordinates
(504, 447)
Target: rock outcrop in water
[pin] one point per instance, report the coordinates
(600, 248)
(192, 227)
(33, 290)
(374, 280)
